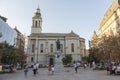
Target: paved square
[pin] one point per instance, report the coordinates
(70, 74)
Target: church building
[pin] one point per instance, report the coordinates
(42, 46)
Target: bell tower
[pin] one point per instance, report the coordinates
(36, 22)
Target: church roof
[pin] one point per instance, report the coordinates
(71, 34)
(49, 34)
(37, 14)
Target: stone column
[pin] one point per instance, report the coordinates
(36, 50)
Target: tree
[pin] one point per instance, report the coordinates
(106, 48)
(21, 55)
(67, 59)
(10, 55)
(93, 55)
(0, 55)
(85, 59)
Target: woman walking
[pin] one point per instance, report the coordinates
(49, 68)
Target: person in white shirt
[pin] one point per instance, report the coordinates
(75, 67)
(34, 69)
(37, 66)
(52, 69)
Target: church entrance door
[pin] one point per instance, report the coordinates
(51, 61)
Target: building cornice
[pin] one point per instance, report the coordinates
(115, 5)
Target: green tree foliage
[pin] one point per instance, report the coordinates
(93, 55)
(7, 53)
(85, 59)
(0, 55)
(10, 55)
(67, 59)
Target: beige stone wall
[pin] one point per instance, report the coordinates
(42, 57)
(36, 30)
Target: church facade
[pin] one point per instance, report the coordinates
(42, 46)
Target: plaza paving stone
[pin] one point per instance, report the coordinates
(69, 74)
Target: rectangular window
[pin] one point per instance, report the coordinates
(33, 48)
(51, 48)
(41, 48)
(31, 59)
(72, 47)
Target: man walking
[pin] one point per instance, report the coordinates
(75, 67)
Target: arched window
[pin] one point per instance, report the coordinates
(72, 47)
(51, 48)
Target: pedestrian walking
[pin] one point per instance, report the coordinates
(94, 65)
(108, 69)
(37, 67)
(26, 71)
(85, 65)
(34, 69)
(75, 67)
(49, 68)
(52, 69)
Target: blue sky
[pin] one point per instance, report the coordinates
(81, 16)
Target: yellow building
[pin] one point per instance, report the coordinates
(111, 20)
(110, 24)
